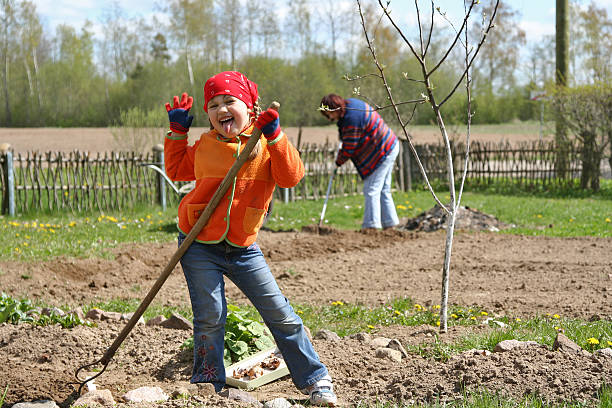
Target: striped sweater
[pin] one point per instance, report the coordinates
(366, 138)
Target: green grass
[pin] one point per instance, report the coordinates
(46, 236)
(346, 319)
(576, 213)
(563, 213)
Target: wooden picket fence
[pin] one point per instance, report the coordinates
(79, 181)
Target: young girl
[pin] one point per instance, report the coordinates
(226, 245)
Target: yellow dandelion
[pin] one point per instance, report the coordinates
(148, 216)
(418, 307)
(438, 323)
(410, 207)
(571, 220)
(607, 219)
(435, 306)
(17, 234)
(370, 326)
(454, 316)
(610, 343)
(473, 317)
(65, 193)
(484, 313)
(556, 316)
(397, 312)
(539, 215)
(300, 312)
(593, 341)
(401, 207)
(518, 319)
(25, 244)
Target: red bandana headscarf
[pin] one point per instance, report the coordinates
(230, 83)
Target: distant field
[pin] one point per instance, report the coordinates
(101, 139)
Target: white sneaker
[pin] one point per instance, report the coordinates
(322, 392)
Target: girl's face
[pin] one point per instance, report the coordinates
(228, 115)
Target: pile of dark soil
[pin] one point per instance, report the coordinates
(467, 219)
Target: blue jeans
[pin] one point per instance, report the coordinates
(204, 266)
(379, 211)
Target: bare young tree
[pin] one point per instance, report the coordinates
(430, 95)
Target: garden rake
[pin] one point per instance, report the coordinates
(227, 181)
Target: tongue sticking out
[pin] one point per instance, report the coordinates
(227, 125)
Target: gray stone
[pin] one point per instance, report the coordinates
(127, 316)
(155, 321)
(563, 343)
(241, 396)
(111, 316)
(389, 354)
(78, 312)
(176, 321)
(362, 337)
(396, 345)
(327, 335)
(36, 404)
(204, 389)
(95, 397)
(97, 314)
(508, 345)
(48, 311)
(277, 403)
(145, 394)
(94, 314)
(380, 341)
(606, 352)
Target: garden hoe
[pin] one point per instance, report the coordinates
(329, 186)
(227, 181)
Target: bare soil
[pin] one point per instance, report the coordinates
(517, 276)
(101, 139)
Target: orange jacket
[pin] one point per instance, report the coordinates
(241, 211)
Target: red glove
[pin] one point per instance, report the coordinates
(180, 120)
(268, 123)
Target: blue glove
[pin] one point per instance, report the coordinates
(180, 120)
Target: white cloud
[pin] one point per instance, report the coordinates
(535, 30)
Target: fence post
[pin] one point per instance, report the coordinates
(406, 165)
(8, 195)
(158, 154)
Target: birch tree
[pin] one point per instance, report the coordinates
(430, 95)
(7, 21)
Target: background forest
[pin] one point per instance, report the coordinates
(71, 78)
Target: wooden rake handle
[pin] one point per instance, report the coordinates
(195, 230)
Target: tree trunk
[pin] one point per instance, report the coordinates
(561, 73)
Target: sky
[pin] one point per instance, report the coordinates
(537, 16)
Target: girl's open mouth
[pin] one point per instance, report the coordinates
(226, 125)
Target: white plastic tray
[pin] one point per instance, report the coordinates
(268, 376)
